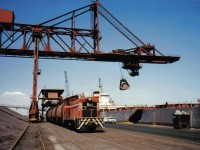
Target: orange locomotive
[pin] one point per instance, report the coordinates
(77, 112)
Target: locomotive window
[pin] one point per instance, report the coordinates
(90, 104)
(89, 109)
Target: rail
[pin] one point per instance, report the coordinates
(17, 142)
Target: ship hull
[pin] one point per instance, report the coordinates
(162, 116)
(120, 116)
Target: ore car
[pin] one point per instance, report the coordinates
(77, 112)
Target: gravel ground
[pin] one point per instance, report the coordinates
(12, 125)
(60, 138)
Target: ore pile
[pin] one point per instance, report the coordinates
(12, 125)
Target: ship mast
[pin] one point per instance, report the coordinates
(100, 86)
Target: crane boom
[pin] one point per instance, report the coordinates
(81, 44)
(84, 44)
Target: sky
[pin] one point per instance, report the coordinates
(172, 26)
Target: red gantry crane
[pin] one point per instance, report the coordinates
(62, 38)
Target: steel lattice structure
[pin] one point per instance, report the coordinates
(63, 38)
(76, 43)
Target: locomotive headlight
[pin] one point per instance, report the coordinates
(89, 99)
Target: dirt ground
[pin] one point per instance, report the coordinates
(12, 125)
(60, 138)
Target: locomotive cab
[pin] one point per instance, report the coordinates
(89, 109)
(82, 114)
(79, 113)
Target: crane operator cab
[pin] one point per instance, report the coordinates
(124, 84)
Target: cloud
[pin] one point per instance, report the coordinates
(11, 94)
(14, 98)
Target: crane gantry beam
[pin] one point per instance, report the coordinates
(62, 38)
(109, 57)
(58, 41)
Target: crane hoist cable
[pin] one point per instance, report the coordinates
(120, 27)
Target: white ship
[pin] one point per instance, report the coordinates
(105, 101)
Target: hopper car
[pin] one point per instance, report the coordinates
(77, 112)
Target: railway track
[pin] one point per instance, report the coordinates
(31, 138)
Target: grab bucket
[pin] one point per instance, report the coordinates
(124, 84)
